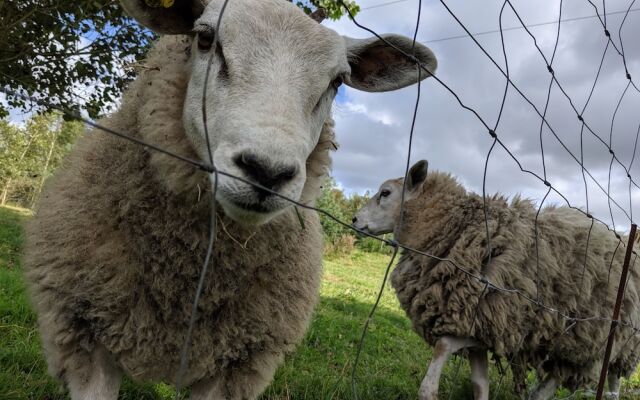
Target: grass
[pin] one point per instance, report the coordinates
(392, 363)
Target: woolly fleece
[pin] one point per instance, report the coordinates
(446, 221)
(114, 252)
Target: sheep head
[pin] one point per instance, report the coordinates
(382, 212)
(273, 75)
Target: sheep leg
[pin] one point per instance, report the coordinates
(97, 379)
(613, 382)
(545, 390)
(479, 373)
(446, 346)
(207, 390)
(244, 381)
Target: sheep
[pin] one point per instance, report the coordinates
(441, 218)
(114, 250)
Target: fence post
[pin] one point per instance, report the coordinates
(616, 312)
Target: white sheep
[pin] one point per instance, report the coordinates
(441, 218)
(114, 251)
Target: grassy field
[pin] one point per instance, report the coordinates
(392, 363)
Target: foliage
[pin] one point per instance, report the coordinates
(339, 239)
(75, 52)
(373, 245)
(29, 154)
(334, 8)
(333, 201)
(11, 142)
(79, 54)
(342, 246)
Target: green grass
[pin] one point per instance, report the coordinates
(392, 363)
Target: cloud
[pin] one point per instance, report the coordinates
(381, 116)
(373, 129)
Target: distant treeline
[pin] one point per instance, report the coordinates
(338, 238)
(30, 153)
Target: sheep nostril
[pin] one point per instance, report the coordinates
(264, 172)
(354, 220)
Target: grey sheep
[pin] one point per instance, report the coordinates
(441, 218)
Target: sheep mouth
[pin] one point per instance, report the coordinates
(365, 231)
(250, 213)
(250, 204)
(254, 207)
(362, 230)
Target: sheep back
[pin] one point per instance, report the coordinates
(440, 299)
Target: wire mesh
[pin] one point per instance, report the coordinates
(493, 132)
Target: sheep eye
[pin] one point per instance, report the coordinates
(385, 193)
(205, 40)
(336, 83)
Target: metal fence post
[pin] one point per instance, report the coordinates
(616, 312)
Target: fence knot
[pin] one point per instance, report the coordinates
(628, 75)
(606, 33)
(393, 243)
(417, 62)
(589, 216)
(484, 280)
(580, 118)
(493, 133)
(546, 183)
(550, 69)
(207, 168)
(617, 236)
(611, 151)
(628, 175)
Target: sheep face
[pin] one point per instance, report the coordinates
(269, 84)
(381, 213)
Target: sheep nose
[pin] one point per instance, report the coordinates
(264, 172)
(354, 220)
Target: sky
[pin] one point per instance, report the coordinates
(373, 128)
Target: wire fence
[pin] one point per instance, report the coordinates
(493, 134)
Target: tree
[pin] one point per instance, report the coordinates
(332, 200)
(30, 154)
(339, 238)
(74, 53)
(333, 8)
(12, 151)
(78, 53)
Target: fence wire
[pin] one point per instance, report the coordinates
(491, 129)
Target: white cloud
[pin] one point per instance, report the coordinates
(382, 116)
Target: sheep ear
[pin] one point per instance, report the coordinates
(172, 17)
(378, 67)
(417, 175)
